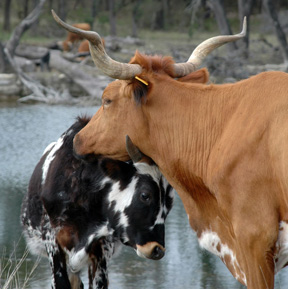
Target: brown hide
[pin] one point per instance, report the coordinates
(73, 37)
(222, 147)
(84, 46)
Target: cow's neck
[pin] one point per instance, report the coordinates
(182, 135)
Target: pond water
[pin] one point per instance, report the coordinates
(25, 131)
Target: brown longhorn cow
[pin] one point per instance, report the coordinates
(224, 148)
(73, 38)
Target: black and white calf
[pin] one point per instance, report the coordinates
(78, 213)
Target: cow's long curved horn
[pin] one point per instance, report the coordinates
(107, 65)
(134, 153)
(203, 49)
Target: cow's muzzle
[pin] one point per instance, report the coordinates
(151, 250)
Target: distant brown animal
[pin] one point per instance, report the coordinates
(224, 149)
(84, 46)
(73, 38)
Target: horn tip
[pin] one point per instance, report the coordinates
(244, 27)
(128, 142)
(128, 139)
(55, 16)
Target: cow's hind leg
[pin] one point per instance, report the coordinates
(56, 257)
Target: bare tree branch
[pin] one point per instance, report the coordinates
(272, 12)
(22, 27)
(39, 92)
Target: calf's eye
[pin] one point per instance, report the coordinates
(145, 197)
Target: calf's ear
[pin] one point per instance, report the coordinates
(117, 170)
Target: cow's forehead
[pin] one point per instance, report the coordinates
(152, 170)
(115, 88)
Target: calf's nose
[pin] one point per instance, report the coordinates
(151, 250)
(157, 253)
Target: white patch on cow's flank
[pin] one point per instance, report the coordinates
(211, 242)
(281, 256)
(50, 157)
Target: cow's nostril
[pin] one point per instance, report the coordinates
(158, 253)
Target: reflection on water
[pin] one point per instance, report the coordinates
(24, 133)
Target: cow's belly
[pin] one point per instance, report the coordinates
(210, 241)
(281, 256)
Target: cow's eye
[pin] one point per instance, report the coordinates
(106, 101)
(145, 197)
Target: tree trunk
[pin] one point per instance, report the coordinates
(135, 16)
(51, 6)
(26, 8)
(223, 24)
(6, 24)
(22, 27)
(62, 9)
(10, 48)
(160, 15)
(94, 11)
(112, 18)
(269, 6)
(245, 9)
(5, 66)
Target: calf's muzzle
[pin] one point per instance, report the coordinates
(151, 250)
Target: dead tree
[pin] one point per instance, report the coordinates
(219, 11)
(112, 18)
(217, 6)
(23, 27)
(245, 9)
(38, 90)
(269, 6)
(7, 9)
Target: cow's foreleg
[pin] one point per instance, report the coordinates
(75, 281)
(256, 247)
(101, 253)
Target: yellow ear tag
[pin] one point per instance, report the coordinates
(142, 80)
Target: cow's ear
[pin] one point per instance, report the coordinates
(117, 170)
(140, 90)
(198, 76)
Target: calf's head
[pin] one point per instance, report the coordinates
(138, 204)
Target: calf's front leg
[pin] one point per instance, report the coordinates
(100, 254)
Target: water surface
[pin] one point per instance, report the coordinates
(25, 131)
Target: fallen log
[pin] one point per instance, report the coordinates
(85, 76)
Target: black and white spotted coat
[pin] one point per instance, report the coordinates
(79, 213)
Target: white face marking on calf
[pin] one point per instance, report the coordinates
(281, 256)
(53, 149)
(155, 173)
(211, 242)
(122, 199)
